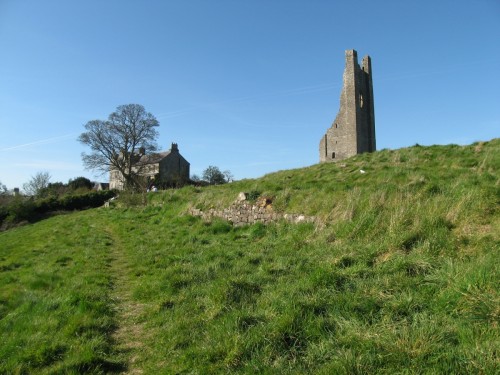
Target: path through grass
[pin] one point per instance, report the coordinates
(56, 312)
(129, 334)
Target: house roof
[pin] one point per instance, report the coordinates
(153, 158)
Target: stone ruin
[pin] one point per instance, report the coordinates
(353, 131)
(242, 212)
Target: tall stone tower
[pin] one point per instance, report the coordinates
(353, 131)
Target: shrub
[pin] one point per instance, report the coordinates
(83, 201)
(20, 208)
(80, 182)
(47, 204)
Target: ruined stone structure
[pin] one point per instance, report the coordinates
(167, 168)
(353, 131)
(242, 212)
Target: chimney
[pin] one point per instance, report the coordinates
(142, 151)
(174, 148)
(16, 191)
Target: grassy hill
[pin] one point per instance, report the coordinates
(399, 276)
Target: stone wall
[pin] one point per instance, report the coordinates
(243, 213)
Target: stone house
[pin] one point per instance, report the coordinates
(163, 169)
(99, 186)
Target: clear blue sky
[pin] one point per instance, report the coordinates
(249, 86)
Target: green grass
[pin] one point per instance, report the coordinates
(54, 309)
(399, 276)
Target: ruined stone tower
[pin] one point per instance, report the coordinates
(353, 131)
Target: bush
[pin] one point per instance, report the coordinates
(83, 201)
(47, 204)
(3, 213)
(20, 208)
(80, 182)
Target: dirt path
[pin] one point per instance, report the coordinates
(130, 334)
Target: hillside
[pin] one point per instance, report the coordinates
(397, 276)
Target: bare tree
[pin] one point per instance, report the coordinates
(228, 175)
(37, 184)
(114, 143)
(3, 189)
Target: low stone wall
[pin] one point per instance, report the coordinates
(244, 213)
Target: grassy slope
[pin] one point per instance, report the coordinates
(399, 278)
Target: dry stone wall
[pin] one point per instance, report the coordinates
(244, 213)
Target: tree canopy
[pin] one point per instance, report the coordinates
(80, 183)
(214, 176)
(113, 142)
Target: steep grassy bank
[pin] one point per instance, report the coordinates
(399, 278)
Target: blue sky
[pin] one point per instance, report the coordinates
(249, 86)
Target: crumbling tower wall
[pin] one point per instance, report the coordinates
(353, 131)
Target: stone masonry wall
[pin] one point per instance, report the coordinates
(244, 213)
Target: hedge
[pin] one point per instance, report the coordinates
(22, 208)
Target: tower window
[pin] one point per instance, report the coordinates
(333, 155)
